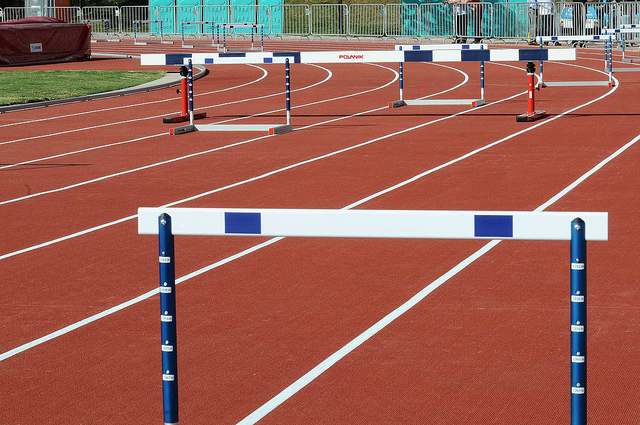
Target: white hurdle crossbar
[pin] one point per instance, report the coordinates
(576, 227)
(427, 102)
(517, 225)
(607, 59)
(367, 56)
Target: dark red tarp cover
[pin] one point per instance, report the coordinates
(42, 40)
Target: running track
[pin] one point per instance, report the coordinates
(319, 330)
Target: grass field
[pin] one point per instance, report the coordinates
(36, 86)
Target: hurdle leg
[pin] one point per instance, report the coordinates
(287, 127)
(401, 102)
(168, 320)
(482, 80)
(578, 323)
(531, 114)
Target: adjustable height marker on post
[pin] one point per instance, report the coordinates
(168, 320)
(578, 323)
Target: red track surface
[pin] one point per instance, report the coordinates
(491, 345)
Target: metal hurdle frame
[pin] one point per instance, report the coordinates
(144, 43)
(504, 225)
(204, 24)
(624, 29)
(429, 102)
(106, 26)
(233, 25)
(271, 129)
(607, 39)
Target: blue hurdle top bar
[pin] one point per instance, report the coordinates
(372, 56)
(374, 223)
(441, 47)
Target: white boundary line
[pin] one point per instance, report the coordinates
(323, 366)
(142, 297)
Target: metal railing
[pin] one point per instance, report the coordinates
(503, 20)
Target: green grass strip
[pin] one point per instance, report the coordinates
(35, 86)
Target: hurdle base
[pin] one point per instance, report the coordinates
(431, 102)
(397, 104)
(268, 128)
(182, 130)
(146, 43)
(183, 118)
(576, 83)
(536, 115)
(627, 60)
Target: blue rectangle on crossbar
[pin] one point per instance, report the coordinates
(475, 55)
(208, 60)
(268, 60)
(493, 226)
(244, 223)
(294, 55)
(533, 55)
(418, 56)
(232, 55)
(176, 58)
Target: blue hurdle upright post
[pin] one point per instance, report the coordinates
(507, 225)
(578, 323)
(168, 320)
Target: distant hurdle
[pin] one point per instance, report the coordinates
(576, 227)
(426, 102)
(106, 26)
(349, 57)
(233, 26)
(572, 38)
(136, 30)
(625, 29)
(204, 26)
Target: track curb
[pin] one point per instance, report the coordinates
(169, 80)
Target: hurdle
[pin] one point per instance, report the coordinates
(575, 227)
(368, 56)
(635, 27)
(427, 102)
(625, 29)
(106, 26)
(271, 129)
(204, 24)
(233, 26)
(607, 39)
(144, 43)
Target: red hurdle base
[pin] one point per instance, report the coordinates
(535, 115)
(183, 118)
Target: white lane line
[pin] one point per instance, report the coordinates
(97, 179)
(323, 366)
(264, 74)
(129, 303)
(196, 273)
